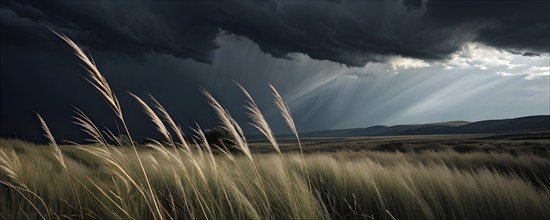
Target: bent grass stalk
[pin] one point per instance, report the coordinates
(260, 123)
(235, 130)
(59, 157)
(102, 86)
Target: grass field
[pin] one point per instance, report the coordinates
(183, 177)
(512, 143)
(350, 185)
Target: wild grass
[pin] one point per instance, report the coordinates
(341, 187)
(181, 178)
(530, 167)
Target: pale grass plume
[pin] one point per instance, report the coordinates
(205, 143)
(60, 159)
(176, 129)
(155, 119)
(10, 164)
(89, 127)
(258, 120)
(51, 139)
(284, 109)
(97, 79)
(239, 139)
(230, 125)
(285, 112)
(160, 148)
(106, 153)
(102, 86)
(116, 167)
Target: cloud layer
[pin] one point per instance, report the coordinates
(349, 32)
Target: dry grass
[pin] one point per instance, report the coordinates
(169, 179)
(342, 186)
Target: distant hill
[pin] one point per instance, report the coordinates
(523, 124)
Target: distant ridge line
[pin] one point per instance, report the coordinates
(521, 124)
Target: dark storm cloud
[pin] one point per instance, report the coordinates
(349, 32)
(412, 3)
(133, 29)
(519, 25)
(525, 54)
(531, 54)
(151, 47)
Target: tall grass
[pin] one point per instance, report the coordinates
(358, 188)
(180, 177)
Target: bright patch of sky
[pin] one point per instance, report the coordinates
(475, 83)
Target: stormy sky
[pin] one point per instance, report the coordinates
(338, 64)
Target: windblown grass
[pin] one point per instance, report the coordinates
(357, 188)
(181, 178)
